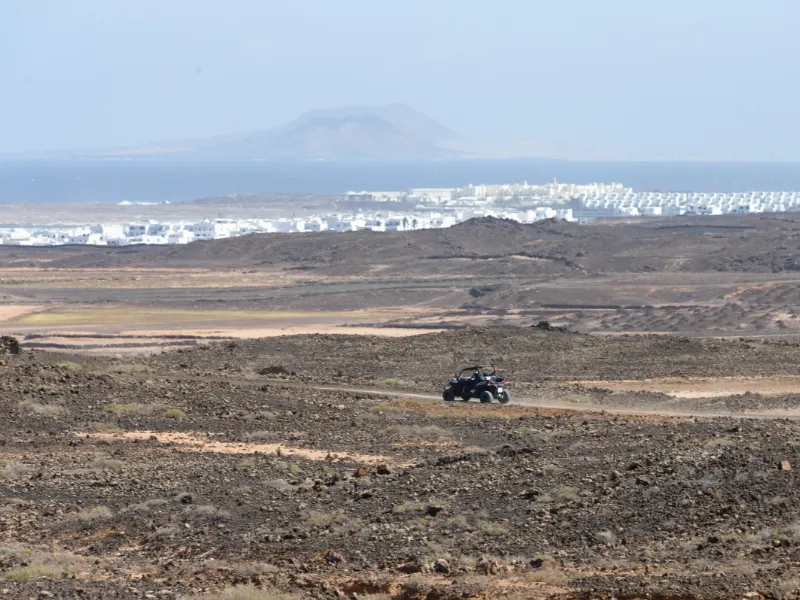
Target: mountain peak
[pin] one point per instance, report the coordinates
(389, 132)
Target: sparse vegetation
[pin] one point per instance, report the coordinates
(174, 413)
(212, 512)
(720, 442)
(45, 410)
(70, 366)
(104, 462)
(321, 519)
(606, 537)
(250, 569)
(549, 573)
(407, 507)
(262, 436)
(550, 469)
(281, 485)
(90, 515)
(568, 492)
(578, 399)
(491, 527)
(31, 572)
(12, 470)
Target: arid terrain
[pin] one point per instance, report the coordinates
(261, 418)
(325, 466)
(725, 276)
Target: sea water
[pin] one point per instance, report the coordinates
(160, 180)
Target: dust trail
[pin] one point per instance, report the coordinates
(540, 402)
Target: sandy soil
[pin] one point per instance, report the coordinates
(716, 387)
(14, 311)
(196, 442)
(261, 332)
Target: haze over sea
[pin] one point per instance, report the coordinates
(145, 180)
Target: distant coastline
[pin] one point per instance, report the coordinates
(179, 180)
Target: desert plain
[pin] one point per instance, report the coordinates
(261, 417)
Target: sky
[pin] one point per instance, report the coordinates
(714, 79)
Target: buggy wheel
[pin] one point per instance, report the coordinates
(505, 397)
(449, 395)
(486, 397)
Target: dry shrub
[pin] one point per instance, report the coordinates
(281, 485)
(262, 436)
(106, 463)
(549, 573)
(70, 366)
(407, 507)
(550, 469)
(43, 410)
(133, 408)
(29, 572)
(90, 515)
(212, 512)
(250, 569)
(491, 527)
(174, 413)
(568, 492)
(14, 469)
(321, 519)
(606, 537)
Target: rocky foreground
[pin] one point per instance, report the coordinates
(224, 473)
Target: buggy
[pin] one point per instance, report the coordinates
(478, 382)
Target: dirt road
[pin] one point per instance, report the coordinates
(541, 403)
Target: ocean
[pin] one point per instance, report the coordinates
(146, 180)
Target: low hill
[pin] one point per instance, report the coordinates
(488, 245)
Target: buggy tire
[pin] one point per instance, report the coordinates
(505, 397)
(486, 397)
(448, 394)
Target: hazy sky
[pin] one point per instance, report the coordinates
(682, 78)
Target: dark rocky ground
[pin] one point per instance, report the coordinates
(524, 354)
(376, 496)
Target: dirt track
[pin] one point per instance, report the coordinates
(792, 414)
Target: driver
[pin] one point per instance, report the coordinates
(477, 376)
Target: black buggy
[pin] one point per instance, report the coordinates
(477, 382)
